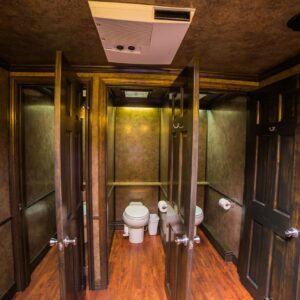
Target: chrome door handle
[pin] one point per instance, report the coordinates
(67, 241)
(185, 240)
(292, 233)
(182, 240)
(197, 239)
(54, 242)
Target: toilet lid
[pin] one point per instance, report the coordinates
(136, 211)
(198, 211)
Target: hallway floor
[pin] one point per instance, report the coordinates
(137, 273)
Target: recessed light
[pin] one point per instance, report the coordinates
(136, 94)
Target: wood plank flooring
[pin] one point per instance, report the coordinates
(137, 273)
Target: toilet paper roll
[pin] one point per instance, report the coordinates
(162, 206)
(225, 204)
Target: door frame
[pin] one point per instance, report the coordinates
(20, 244)
(104, 81)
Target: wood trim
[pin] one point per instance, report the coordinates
(110, 192)
(132, 69)
(204, 183)
(164, 191)
(156, 79)
(221, 248)
(103, 184)
(142, 183)
(8, 295)
(288, 64)
(21, 258)
(39, 257)
(224, 195)
(40, 198)
(5, 221)
(280, 76)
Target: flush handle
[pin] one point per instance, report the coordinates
(292, 233)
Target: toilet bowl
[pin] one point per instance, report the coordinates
(135, 217)
(198, 218)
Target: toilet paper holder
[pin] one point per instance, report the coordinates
(226, 204)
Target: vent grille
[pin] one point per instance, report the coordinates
(118, 32)
(175, 15)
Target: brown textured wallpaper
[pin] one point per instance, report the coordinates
(165, 115)
(110, 169)
(38, 144)
(202, 145)
(124, 195)
(4, 176)
(136, 156)
(226, 225)
(41, 224)
(6, 259)
(137, 144)
(37, 125)
(226, 147)
(202, 156)
(6, 248)
(226, 142)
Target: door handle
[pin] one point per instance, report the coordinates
(292, 233)
(67, 241)
(54, 242)
(197, 239)
(184, 240)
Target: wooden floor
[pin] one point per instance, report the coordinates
(137, 273)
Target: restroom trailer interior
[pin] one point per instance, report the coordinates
(138, 137)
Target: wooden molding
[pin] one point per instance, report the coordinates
(10, 292)
(222, 249)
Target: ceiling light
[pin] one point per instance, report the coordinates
(136, 94)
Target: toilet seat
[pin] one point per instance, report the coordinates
(136, 212)
(135, 217)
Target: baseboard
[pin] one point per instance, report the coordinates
(9, 293)
(99, 286)
(35, 262)
(221, 248)
(118, 225)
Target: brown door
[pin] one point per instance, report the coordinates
(269, 259)
(183, 164)
(69, 210)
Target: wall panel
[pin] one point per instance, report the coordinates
(6, 259)
(37, 168)
(136, 156)
(226, 142)
(4, 178)
(7, 277)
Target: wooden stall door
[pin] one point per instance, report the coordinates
(183, 181)
(269, 259)
(68, 162)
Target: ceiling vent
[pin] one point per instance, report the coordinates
(140, 34)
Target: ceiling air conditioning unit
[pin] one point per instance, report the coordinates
(140, 34)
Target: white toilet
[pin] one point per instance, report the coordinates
(135, 217)
(198, 218)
